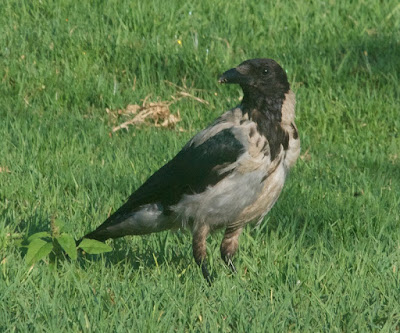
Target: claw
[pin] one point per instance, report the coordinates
(231, 266)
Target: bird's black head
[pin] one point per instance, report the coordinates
(260, 76)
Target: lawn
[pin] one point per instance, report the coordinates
(327, 256)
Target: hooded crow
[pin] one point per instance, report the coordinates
(227, 175)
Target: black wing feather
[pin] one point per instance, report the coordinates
(192, 170)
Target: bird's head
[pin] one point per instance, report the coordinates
(261, 76)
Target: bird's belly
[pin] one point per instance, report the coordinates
(271, 190)
(222, 204)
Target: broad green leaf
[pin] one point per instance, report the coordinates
(67, 243)
(38, 249)
(42, 234)
(92, 246)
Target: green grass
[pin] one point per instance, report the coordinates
(326, 258)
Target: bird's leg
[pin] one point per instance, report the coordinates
(229, 246)
(200, 250)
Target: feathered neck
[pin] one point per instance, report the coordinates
(267, 106)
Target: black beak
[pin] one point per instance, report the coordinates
(232, 76)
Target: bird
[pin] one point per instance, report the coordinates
(228, 175)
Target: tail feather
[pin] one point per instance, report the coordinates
(148, 219)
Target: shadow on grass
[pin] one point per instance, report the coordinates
(148, 251)
(380, 53)
(37, 222)
(369, 57)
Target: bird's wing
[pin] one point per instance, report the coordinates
(201, 163)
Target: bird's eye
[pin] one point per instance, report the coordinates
(265, 71)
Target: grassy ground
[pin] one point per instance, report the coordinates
(326, 258)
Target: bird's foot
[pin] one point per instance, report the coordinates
(231, 266)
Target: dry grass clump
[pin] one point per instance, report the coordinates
(156, 114)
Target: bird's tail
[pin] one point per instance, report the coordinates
(141, 222)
